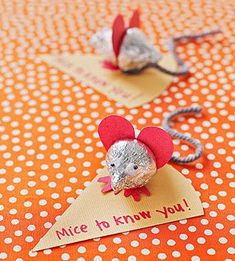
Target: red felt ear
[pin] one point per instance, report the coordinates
(114, 128)
(135, 20)
(160, 143)
(118, 32)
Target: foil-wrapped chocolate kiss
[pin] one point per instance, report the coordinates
(132, 161)
(128, 49)
(130, 164)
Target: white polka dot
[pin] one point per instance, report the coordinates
(176, 254)
(121, 250)
(189, 247)
(18, 233)
(65, 256)
(3, 255)
(183, 236)
(47, 251)
(17, 248)
(142, 235)
(231, 250)
(232, 231)
(134, 243)
(155, 230)
(155, 241)
(162, 256)
(29, 239)
(201, 240)
(208, 232)
(117, 240)
(211, 251)
(31, 227)
(8, 240)
(172, 227)
(2, 228)
(81, 250)
(171, 242)
(145, 251)
(231, 217)
(102, 248)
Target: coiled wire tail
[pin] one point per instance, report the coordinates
(177, 135)
(172, 44)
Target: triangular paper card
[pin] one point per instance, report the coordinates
(129, 90)
(94, 214)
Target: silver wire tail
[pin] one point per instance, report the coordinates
(177, 135)
(183, 69)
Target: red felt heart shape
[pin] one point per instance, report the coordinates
(118, 32)
(159, 142)
(114, 128)
(135, 20)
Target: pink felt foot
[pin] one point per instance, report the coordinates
(107, 181)
(135, 192)
(109, 65)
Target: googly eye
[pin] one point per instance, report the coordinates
(135, 167)
(112, 165)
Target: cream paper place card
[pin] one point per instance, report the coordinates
(94, 214)
(130, 90)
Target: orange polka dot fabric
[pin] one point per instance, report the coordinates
(49, 147)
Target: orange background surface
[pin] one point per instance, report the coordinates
(49, 147)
